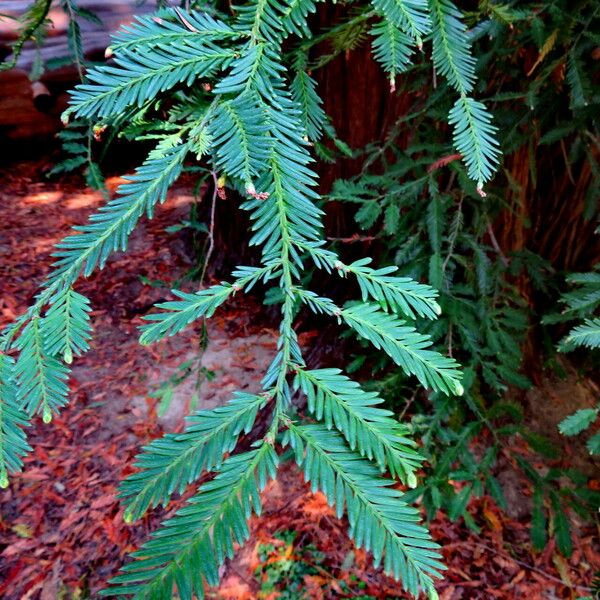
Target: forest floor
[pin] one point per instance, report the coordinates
(61, 528)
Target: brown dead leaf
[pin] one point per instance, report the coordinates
(316, 506)
(314, 586)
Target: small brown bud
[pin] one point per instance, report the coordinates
(251, 191)
(98, 130)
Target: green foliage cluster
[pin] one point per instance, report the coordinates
(582, 302)
(234, 91)
(426, 216)
(252, 121)
(285, 566)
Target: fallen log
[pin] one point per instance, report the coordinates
(31, 111)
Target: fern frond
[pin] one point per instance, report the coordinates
(410, 16)
(171, 463)
(166, 28)
(371, 431)
(189, 548)
(109, 229)
(13, 442)
(304, 94)
(379, 520)
(137, 78)
(398, 294)
(391, 48)
(66, 327)
(451, 49)
(41, 379)
(241, 146)
(474, 138)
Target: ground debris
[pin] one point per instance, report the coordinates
(61, 529)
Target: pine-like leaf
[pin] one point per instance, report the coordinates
(582, 301)
(372, 431)
(592, 278)
(109, 229)
(32, 22)
(180, 313)
(138, 78)
(578, 421)
(586, 334)
(380, 521)
(66, 326)
(398, 294)
(294, 16)
(474, 138)
(289, 212)
(304, 94)
(41, 379)
(13, 442)
(391, 48)
(578, 81)
(405, 346)
(272, 20)
(189, 548)
(410, 16)
(243, 70)
(74, 35)
(593, 444)
(171, 463)
(169, 27)
(241, 146)
(451, 49)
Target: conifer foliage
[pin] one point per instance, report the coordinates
(252, 121)
(582, 302)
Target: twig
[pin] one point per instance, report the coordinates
(567, 165)
(211, 228)
(354, 238)
(407, 405)
(453, 236)
(496, 245)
